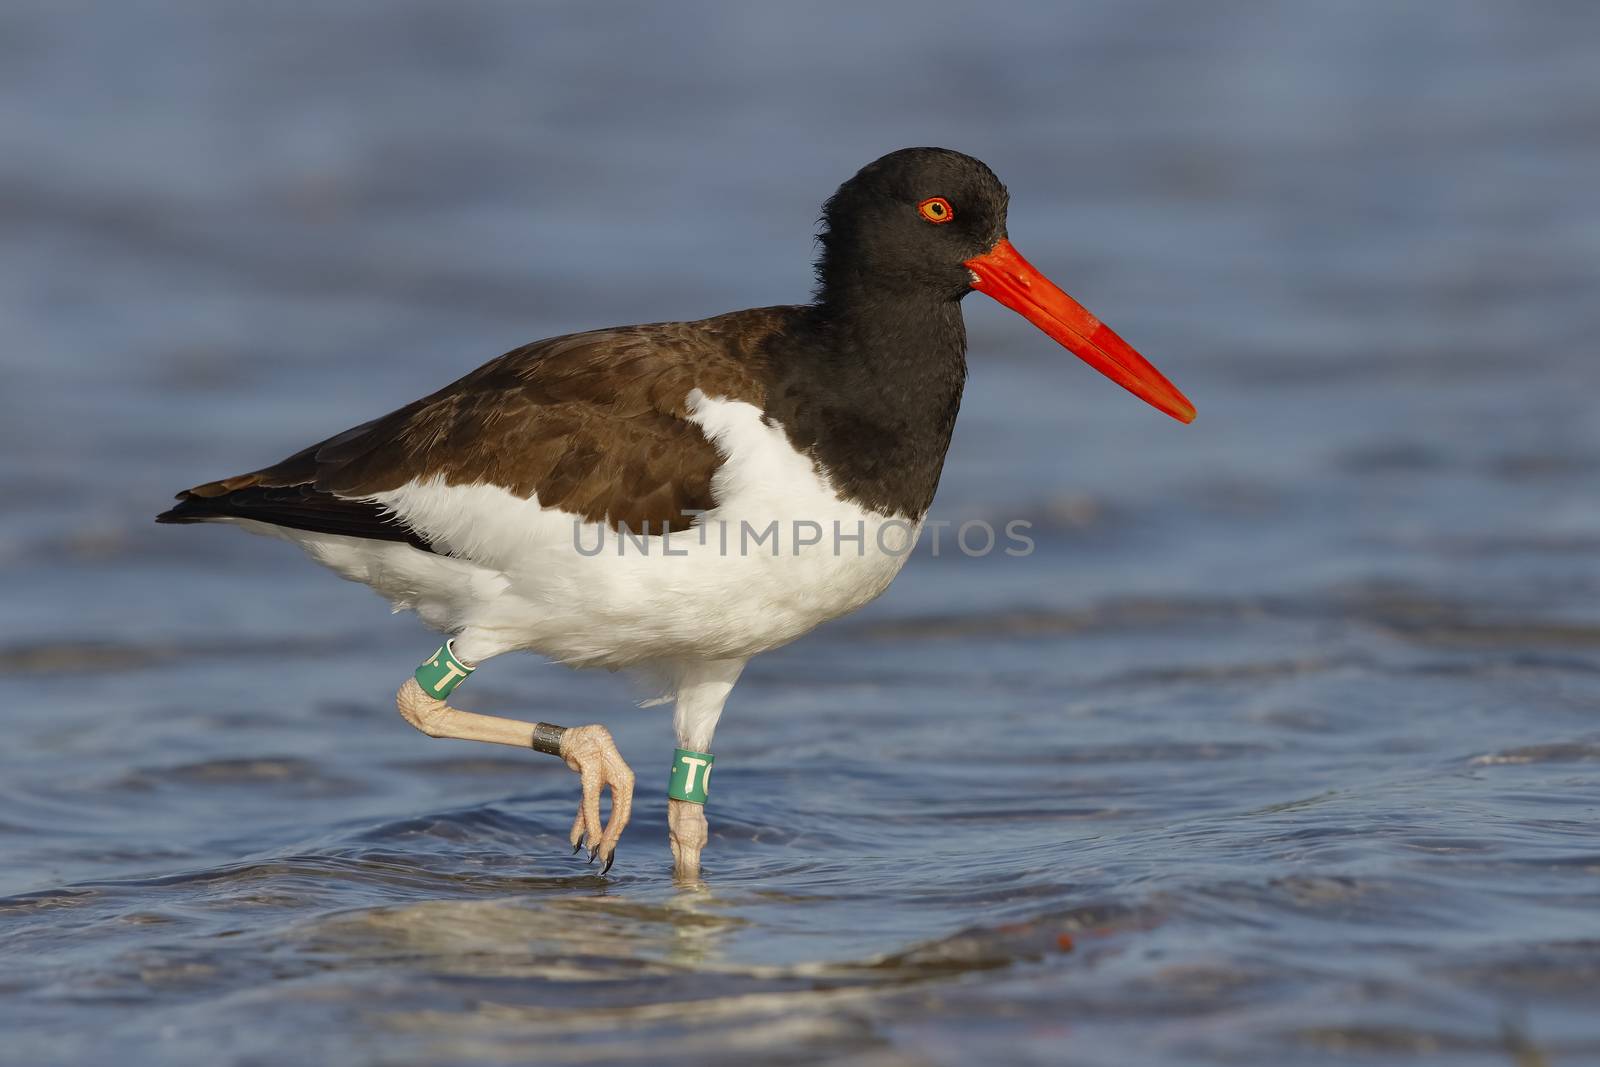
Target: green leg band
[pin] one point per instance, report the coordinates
(691, 775)
(442, 672)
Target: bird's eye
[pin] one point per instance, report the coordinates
(936, 209)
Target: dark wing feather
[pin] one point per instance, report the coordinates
(594, 424)
(298, 507)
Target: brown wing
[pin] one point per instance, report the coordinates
(593, 424)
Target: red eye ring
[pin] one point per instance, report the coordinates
(936, 209)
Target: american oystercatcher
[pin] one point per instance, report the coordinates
(757, 474)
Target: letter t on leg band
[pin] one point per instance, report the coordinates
(442, 672)
(691, 775)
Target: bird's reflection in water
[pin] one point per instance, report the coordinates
(600, 974)
(559, 938)
(700, 922)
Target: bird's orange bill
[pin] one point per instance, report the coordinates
(1003, 274)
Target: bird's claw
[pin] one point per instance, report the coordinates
(591, 752)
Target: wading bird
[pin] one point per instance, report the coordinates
(477, 506)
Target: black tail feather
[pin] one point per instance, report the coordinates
(298, 507)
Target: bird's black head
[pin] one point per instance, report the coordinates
(908, 223)
(927, 226)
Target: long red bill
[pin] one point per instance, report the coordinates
(1003, 274)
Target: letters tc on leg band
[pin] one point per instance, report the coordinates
(442, 672)
(691, 775)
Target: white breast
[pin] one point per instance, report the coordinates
(522, 576)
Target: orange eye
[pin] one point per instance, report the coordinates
(936, 209)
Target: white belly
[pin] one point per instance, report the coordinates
(742, 582)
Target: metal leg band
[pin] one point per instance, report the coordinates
(547, 738)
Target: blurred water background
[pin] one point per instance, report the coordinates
(1287, 735)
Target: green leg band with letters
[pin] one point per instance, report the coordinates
(442, 672)
(691, 775)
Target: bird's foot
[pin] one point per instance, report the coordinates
(687, 830)
(590, 751)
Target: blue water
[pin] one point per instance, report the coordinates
(1283, 745)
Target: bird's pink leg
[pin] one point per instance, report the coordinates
(687, 831)
(702, 690)
(589, 750)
